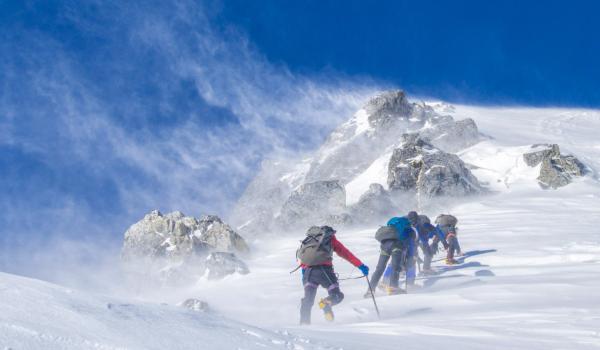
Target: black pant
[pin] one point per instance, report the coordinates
(389, 248)
(314, 277)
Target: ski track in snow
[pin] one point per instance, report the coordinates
(535, 287)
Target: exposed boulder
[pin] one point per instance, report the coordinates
(452, 136)
(556, 170)
(374, 204)
(417, 165)
(220, 236)
(312, 203)
(177, 236)
(172, 247)
(221, 264)
(158, 235)
(539, 152)
(195, 305)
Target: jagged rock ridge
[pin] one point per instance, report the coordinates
(374, 130)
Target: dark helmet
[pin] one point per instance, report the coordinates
(413, 217)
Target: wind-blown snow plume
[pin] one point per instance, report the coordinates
(137, 106)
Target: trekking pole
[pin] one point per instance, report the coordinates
(373, 297)
(406, 272)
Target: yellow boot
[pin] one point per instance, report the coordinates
(394, 290)
(325, 305)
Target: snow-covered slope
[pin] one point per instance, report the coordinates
(40, 315)
(534, 286)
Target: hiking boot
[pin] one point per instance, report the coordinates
(325, 305)
(395, 291)
(451, 262)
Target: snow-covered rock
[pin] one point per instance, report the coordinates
(313, 203)
(418, 165)
(172, 247)
(219, 236)
(158, 235)
(556, 170)
(452, 136)
(177, 236)
(221, 264)
(195, 305)
(373, 205)
(354, 145)
(354, 154)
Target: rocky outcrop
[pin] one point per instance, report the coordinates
(172, 247)
(195, 305)
(354, 145)
(374, 204)
(221, 264)
(313, 203)
(176, 236)
(540, 152)
(271, 200)
(219, 236)
(391, 109)
(384, 109)
(452, 136)
(158, 235)
(556, 170)
(417, 165)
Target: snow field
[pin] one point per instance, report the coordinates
(40, 315)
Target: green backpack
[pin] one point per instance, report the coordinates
(316, 248)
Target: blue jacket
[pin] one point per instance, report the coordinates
(426, 232)
(405, 232)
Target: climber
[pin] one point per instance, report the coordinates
(315, 257)
(447, 225)
(426, 231)
(396, 242)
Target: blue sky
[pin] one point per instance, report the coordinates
(494, 52)
(109, 109)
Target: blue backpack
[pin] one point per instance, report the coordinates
(402, 225)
